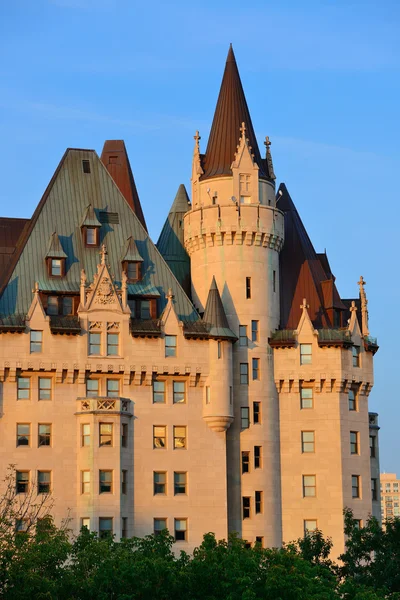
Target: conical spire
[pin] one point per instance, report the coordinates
(230, 113)
(214, 315)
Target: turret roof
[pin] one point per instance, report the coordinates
(214, 315)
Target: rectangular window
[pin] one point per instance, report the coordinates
(219, 346)
(307, 441)
(23, 434)
(124, 527)
(354, 442)
(257, 457)
(180, 483)
(358, 523)
(305, 354)
(179, 392)
(95, 343)
(23, 388)
(44, 482)
(246, 503)
(132, 270)
(355, 486)
(248, 288)
(106, 482)
(21, 525)
(85, 434)
(158, 392)
(85, 482)
(352, 399)
(124, 481)
(105, 434)
(306, 397)
(256, 368)
(44, 388)
(105, 527)
(245, 462)
(208, 394)
(112, 344)
(310, 525)
(112, 388)
(256, 413)
(145, 310)
(85, 166)
(372, 446)
(355, 350)
(159, 526)
(244, 373)
(244, 417)
(170, 345)
(92, 388)
(159, 482)
(55, 267)
(180, 530)
(67, 305)
(85, 522)
(259, 502)
(52, 305)
(254, 331)
(36, 341)
(179, 436)
(124, 435)
(44, 434)
(274, 281)
(242, 335)
(22, 482)
(91, 236)
(374, 489)
(309, 486)
(260, 540)
(159, 436)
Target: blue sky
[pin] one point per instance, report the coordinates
(321, 79)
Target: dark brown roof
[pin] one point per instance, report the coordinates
(10, 232)
(145, 328)
(115, 158)
(230, 113)
(69, 325)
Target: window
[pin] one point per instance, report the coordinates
(244, 373)
(159, 526)
(259, 502)
(354, 442)
(36, 341)
(92, 388)
(180, 483)
(306, 397)
(56, 267)
(105, 434)
(124, 527)
(124, 435)
(180, 530)
(245, 462)
(256, 368)
(307, 441)
(91, 236)
(244, 417)
(105, 527)
(248, 287)
(219, 348)
(23, 388)
(44, 434)
(305, 354)
(170, 345)
(355, 350)
(44, 482)
(274, 281)
(352, 399)
(158, 392)
(67, 305)
(159, 436)
(44, 388)
(52, 305)
(179, 392)
(85, 166)
(94, 343)
(309, 486)
(85, 522)
(22, 482)
(254, 331)
(23, 434)
(112, 388)
(260, 540)
(246, 507)
(374, 489)
(208, 394)
(21, 525)
(159, 482)
(145, 309)
(85, 434)
(372, 446)
(355, 486)
(124, 481)
(357, 523)
(310, 525)
(132, 270)
(256, 413)
(85, 482)
(112, 344)
(179, 436)
(242, 335)
(105, 482)
(257, 457)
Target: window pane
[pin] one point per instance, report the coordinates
(159, 525)
(22, 482)
(244, 373)
(94, 343)
(67, 305)
(352, 400)
(44, 434)
(86, 434)
(179, 392)
(310, 525)
(245, 462)
(56, 267)
(44, 388)
(160, 481)
(180, 529)
(43, 482)
(307, 441)
(85, 522)
(179, 437)
(254, 331)
(112, 388)
(158, 392)
(170, 345)
(145, 309)
(244, 415)
(85, 482)
(112, 344)
(23, 434)
(105, 482)
(257, 457)
(179, 483)
(23, 388)
(106, 430)
(256, 368)
(306, 396)
(52, 305)
(305, 354)
(132, 270)
(36, 341)
(91, 236)
(243, 335)
(105, 527)
(159, 436)
(92, 388)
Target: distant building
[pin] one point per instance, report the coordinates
(390, 496)
(215, 381)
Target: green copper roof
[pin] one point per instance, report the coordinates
(55, 249)
(89, 218)
(62, 208)
(131, 252)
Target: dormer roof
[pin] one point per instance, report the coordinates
(89, 218)
(214, 315)
(131, 253)
(54, 249)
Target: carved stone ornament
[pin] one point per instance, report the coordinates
(105, 292)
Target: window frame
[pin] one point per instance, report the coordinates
(158, 393)
(246, 507)
(352, 402)
(307, 529)
(162, 484)
(176, 394)
(85, 481)
(256, 413)
(372, 446)
(184, 531)
(158, 531)
(163, 445)
(248, 288)
(22, 484)
(355, 486)
(303, 354)
(245, 461)
(258, 502)
(35, 343)
(103, 436)
(105, 533)
(176, 444)
(22, 435)
(303, 388)
(178, 484)
(374, 488)
(244, 373)
(258, 459)
(112, 347)
(95, 393)
(92, 345)
(44, 439)
(170, 349)
(255, 331)
(85, 436)
(109, 482)
(244, 418)
(21, 389)
(307, 443)
(110, 393)
(124, 435)
(47, 484)
(40, 389)
(124, 481)
(307, 486)
(354, 443)
(243, 339)
(355, 354)
(255, 367)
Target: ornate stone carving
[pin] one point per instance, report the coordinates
(105, 292)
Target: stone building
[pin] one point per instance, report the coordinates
(390, 496)
(215, 380)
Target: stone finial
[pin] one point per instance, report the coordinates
(353, 307)
(83, 277)
(170, 295)
(36, 288)
(197, 168)
(243, 129)
(103, 253)
(197, 139)
(304, 306)
(364, 306)
(267, 142)
(124, 289)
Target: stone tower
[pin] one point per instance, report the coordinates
(234, 233)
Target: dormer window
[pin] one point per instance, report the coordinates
(90, 226)
(55, 257)
(133, 270)
(56, 267)
(132, 261)
(91, 236)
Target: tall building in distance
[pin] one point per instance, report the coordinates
(390, 496)
(214, 381)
